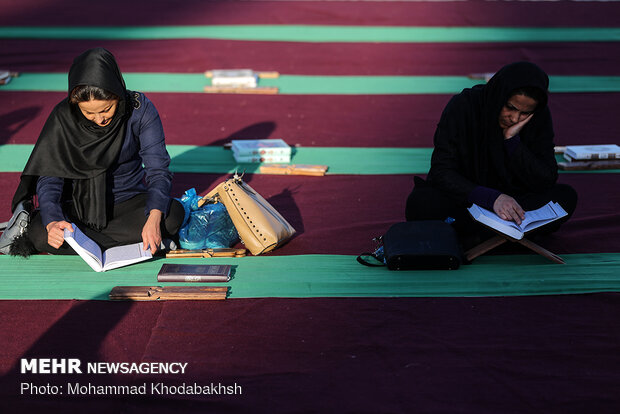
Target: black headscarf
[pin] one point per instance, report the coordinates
(506, 81)
(469, 148)
(72, 147)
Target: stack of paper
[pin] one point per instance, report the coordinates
(261, 151)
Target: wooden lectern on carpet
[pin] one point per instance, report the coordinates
(512, 232)
(501, 238)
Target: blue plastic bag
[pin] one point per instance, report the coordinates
(205, 227)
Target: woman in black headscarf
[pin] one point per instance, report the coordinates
(493, 147)
(101, 163)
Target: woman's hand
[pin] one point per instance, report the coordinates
(56, 233)
(516, 128)
(151, 232)
(508, 209)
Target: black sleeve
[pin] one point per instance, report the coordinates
(447, 161)
(532, 162)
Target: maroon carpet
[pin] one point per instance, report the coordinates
(329, 121)
(199, 12)
(487, 355)
(387, 59)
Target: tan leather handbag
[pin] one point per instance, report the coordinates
(260, 227)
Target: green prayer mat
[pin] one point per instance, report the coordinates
(321, 33)
(306, 276)
(313, 85)
(217, 160)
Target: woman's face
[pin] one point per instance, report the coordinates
(515, 110)
(99, 112)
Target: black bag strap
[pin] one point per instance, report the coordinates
(379, 262)
(361, 260)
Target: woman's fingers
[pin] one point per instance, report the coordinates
(56, 233)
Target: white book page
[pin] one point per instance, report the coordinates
(83, 245)
(120, 256)
(499, 220)
(533, 219)
(559, 211)
(546, 214)
(493, 220)
(543, 213)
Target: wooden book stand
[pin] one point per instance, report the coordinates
(501, 238)
(224, 252)
(169, 293)
(294, 169)
(589, 165)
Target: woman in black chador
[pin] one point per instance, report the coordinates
(493, 147)
(101, 163)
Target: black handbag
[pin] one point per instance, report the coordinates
(419, 245)
(16, 226)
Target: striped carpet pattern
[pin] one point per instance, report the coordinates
(361, 88)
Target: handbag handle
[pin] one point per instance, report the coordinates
(213, 195)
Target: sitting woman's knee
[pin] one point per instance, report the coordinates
(37, 233)
(175, 217)
(567, 197)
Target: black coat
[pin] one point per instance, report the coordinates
(469, 145)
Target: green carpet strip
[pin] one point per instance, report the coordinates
(217, 160)
(211, 159)
(339, 160)
(316, 33)
(307, 276)
(313, 85)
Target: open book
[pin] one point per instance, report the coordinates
(109, 259)
(533, 219)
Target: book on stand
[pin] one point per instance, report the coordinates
(533, 219)
(101, 261)
(173, 272)
(592, 152)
